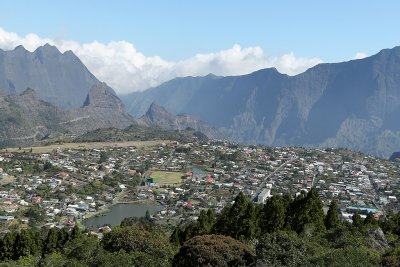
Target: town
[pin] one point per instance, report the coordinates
(67, 185)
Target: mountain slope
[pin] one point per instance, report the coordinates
(58, 78)
(353, 104)
(26, 119)
(160, 117)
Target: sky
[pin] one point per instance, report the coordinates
(134, 45)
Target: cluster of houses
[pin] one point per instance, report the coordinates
(212, 175)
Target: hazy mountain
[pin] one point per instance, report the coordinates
(26, 119)
(354, 104)
(158, 116)
(59, 78)
(395, 156)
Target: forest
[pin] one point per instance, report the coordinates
(285, 231)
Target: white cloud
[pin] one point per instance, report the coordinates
(119, 64)
(360, 55)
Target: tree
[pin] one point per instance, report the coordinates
(35, 214)
(332, 217)
(152, 243)
(75, 233)
(273, 215)
(357, 220)
(370, 220)
(62, 238)
(307, 210)
(103, 157)
(25, 245)
(83, 249)
(214, 250)
(53, 259)
(239, 221)
(7, 246)
(285, 248)
(50, 245)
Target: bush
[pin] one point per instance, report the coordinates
(213, 250)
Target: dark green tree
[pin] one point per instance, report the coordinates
(332, 217)
(370, 220)
(62, 238)
(239, 221)
(25, 245)
(214, 250)
(7, 246)
(307, 210)
(357, 220)
(75, 233)
(152, 244)
(273, 215)
(50, 245)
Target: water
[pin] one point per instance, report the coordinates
(120, 211)
(198, 171)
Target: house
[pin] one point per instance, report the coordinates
(264, 195)
(6, 218)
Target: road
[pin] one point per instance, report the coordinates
(263, 183)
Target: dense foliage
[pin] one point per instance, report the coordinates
(284, 232)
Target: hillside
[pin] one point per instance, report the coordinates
(157, 116)
(352, 104)
(58, 78)
(26, 119)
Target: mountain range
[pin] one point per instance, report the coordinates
(157, 115)
(25, 119)
(59, 78)
(354, 104)
(68, 100)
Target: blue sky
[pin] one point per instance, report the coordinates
(175, 31)
(330, 30)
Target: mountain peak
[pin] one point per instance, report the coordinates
(48, 50)
(20, 49)
(29, 92)
(156, 110)
(103, 96)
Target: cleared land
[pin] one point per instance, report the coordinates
(166, 178)
(87, 145)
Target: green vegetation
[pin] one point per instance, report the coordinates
(166, 178)
(283, 232)
(214, 250)
(140, 133)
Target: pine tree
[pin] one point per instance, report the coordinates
(273, 215)
(7, 246)
(175, 236)
(203, 223)
(307, 210)
(24, 245)
(50, 244)
(357, 220)
(75, 233)
(237, 220)
(62, 238)
(370, 220)
(332, 217)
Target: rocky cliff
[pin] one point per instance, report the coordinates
(58, 78)
(158, 116)
(26, 119)
(354, 104)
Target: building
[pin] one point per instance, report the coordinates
(265, 194)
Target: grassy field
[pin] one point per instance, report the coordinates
(167, 178)
(88, 145)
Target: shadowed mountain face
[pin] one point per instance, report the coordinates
(26, 119)
(58, 78)
(353, 104)
(159, 116)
